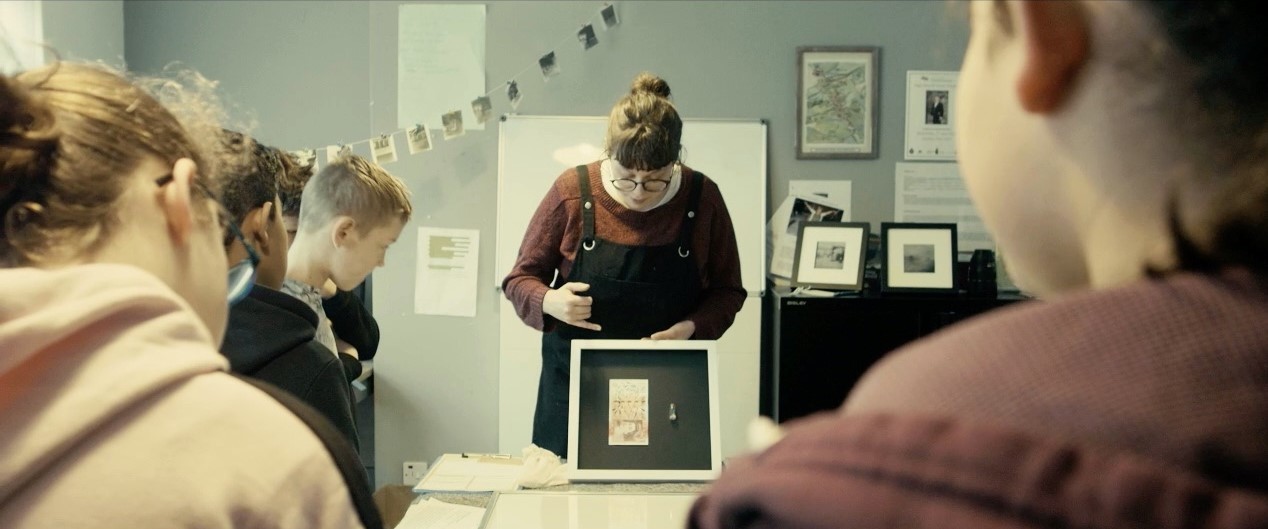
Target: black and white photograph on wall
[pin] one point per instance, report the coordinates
(918, 257)
(383, 148)
(513, 94)
(306, 158)
(482, 107)
(418, 138)
(586, 37)
(831, 255)
(609, 16)
(452, 123)
(936, 107)
(807, 211)
(929, 133)
(549, 66)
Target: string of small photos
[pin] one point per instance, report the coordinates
(418, 137)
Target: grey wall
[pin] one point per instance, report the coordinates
(315, 73)
(89, 30)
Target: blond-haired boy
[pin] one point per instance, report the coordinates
(352, 211)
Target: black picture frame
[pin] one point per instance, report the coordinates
(918, 258)
(831, 255)
(822, 71)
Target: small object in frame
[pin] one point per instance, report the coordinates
(627, 412)
(918, 258)
(837, 102)
(613, 435)
(513, 94)
(830, 255)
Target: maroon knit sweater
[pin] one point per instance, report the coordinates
(555, 230)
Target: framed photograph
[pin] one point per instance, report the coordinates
(644, 410)
(837, 108)
(830, 255)
(919, 258)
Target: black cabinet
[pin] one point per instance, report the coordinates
(819, 347)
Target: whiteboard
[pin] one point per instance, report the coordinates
(534, 150)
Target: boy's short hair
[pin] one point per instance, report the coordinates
(290, 187)
(354, 187)
(250, 180)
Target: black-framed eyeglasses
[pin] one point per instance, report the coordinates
(241, 275)
(629, 184)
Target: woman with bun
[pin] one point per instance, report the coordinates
(643, 246)
(117, 410)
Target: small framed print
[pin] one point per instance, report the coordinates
(830, 255)
(837, 102)
(644, 410)
(919, 258)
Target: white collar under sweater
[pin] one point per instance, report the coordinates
(606, 174)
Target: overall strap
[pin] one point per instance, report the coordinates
(693, 209)
(587, 207)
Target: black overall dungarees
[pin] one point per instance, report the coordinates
(636, 290)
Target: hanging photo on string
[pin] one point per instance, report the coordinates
(586, 37)
(333, 152)
(384, 149)
(305, 158)
(418, 138)
(453, 124)
(609, 16)
(513, 94)
(550, 68)
(482, 107)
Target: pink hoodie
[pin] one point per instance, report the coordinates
(115, 411)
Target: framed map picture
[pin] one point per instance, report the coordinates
(837, 92)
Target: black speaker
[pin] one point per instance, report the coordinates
(980, 279)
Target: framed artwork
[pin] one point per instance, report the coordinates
(919, 257)
(830, 255)
(644, 410)
(837, 101)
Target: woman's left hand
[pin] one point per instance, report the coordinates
(680, 331)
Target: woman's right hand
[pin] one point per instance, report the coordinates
(565, 305)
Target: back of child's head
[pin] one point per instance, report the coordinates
(252, 181)
(71, 135)
(353, 187)
(290, 185)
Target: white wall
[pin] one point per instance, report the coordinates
(87, 30)
(21, 32)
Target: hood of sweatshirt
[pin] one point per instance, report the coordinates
(79, 346)
(265, 325)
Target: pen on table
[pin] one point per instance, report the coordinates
(495, 456)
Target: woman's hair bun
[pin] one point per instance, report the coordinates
(646, 82)
(28, 141)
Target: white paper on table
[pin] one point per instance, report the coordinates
(448, 261)
(930, 133)
(436, 514)
(782, 229)
(440, 61)
(934, 192)
(454, 473)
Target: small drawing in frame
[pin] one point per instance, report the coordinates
(918, 257)
(837, 102)
(830, 255)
